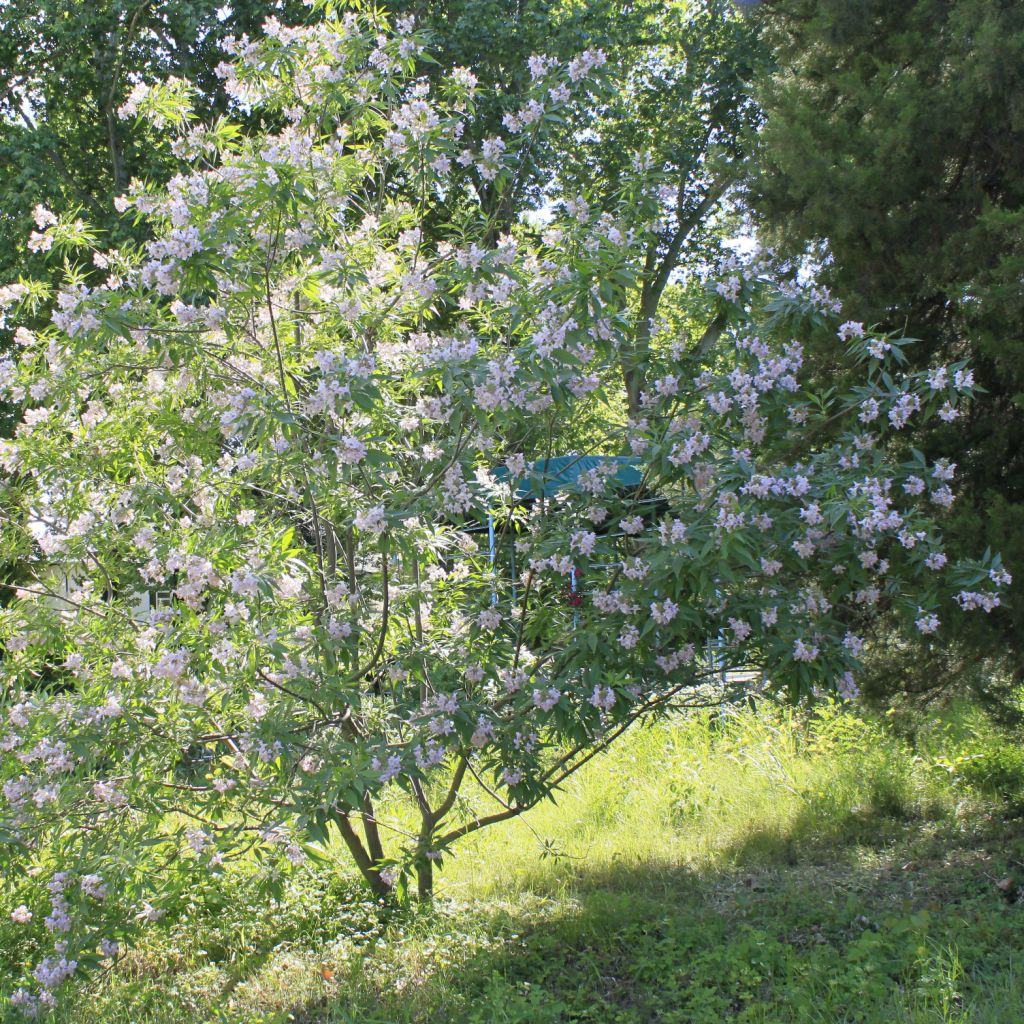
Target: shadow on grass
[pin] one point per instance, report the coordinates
(860, 914)
(914, 940)
(820, 831)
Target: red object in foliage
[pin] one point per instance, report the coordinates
(571, 595)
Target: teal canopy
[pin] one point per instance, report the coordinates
(548, 476)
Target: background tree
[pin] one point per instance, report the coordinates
(681, 108)
(894, 153)
(66, 66)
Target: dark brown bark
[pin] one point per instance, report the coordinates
(425, 879)
(362, 859)
(372, 833)
(657, 274)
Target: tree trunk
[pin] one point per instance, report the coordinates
(366, 866)
(633, 360)
(425, 879)
(373, 844)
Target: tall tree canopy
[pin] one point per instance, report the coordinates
(683, 104)
(66, 66)
(894, 152)
(681, 107)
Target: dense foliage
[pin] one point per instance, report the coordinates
(681, 104)
(894, 152)
(293, 411)
(66, 68)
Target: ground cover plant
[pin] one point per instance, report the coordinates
(765, 866)
(291, 413)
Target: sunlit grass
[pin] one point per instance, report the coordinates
(713, 792)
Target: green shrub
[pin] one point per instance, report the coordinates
(997, 772)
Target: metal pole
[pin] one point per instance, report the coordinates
(493, 554)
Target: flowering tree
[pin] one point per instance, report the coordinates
(292, 410)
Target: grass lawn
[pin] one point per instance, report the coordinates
(762, 868)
